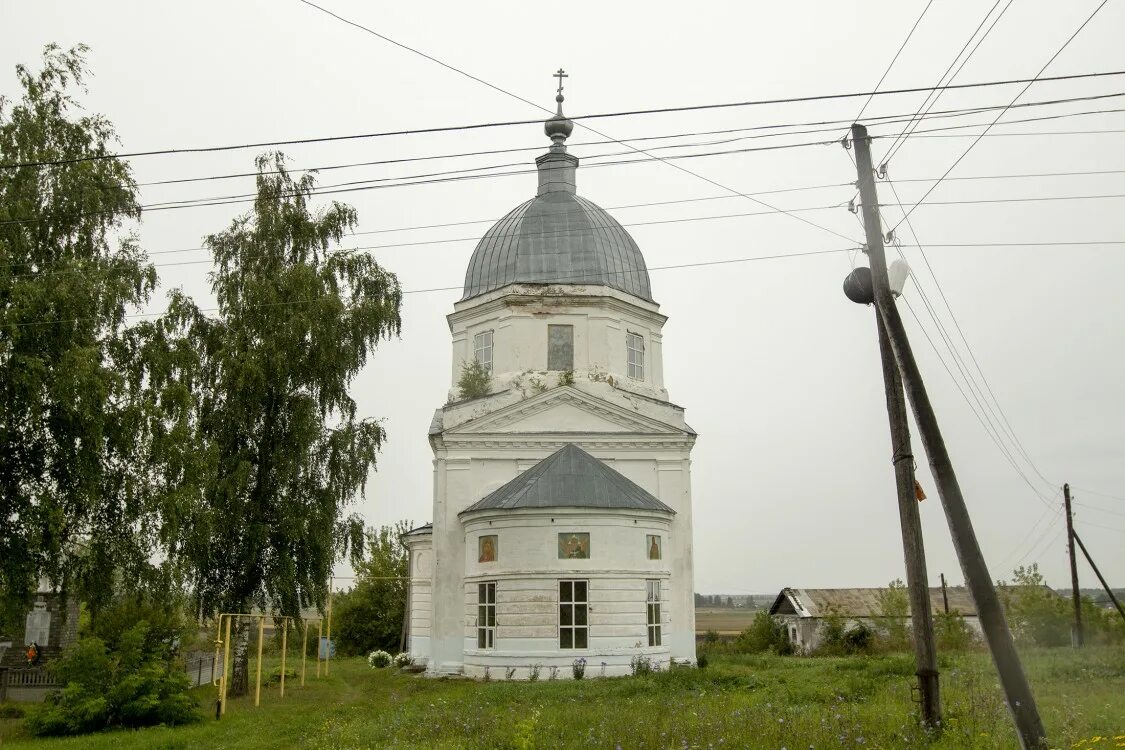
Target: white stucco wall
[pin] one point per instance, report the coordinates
(480, 444)
(519, 318)
(527, 573)
(420, 599)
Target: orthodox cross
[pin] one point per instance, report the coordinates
(561, 75)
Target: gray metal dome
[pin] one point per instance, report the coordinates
(557, 237)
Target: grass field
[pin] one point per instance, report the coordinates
(737, 702)
(723, 620)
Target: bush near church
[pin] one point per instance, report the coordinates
(122, 672)
(369, 615)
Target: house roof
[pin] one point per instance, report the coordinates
(570, 478)
(861, 602)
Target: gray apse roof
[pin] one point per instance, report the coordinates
(570, 478)
(557, 237)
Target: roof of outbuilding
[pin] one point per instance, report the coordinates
(865, 602)
(570, 478)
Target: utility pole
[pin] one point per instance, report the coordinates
(944, 595)
(1017, 691)
(1098, 573)
(1076, 636)
(913, 549)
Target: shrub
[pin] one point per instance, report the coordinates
(403, 660)
(894, 606)
(566, 377)
(764, 634)
(127, 683)
(951, 632)
(701, 661)
(858, 639)
(11, 711)
(369, 615)
(578, 668)
(378, 659)
(1036, 615)
(475, 380)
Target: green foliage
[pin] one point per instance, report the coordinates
(764, 634)
(263, 449)
(75, 498)
(951, 632)
(566, 377)
(127, 682)
(894, 606)
(475, 380)
(1036, 614)
(369, 615)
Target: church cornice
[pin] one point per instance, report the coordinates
(516, 296)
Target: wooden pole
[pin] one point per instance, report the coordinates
(902, 459)
(1098, 573)
(319, 634)
(913, 547)
(258, 679)
(284, 648)
(1017, 690)
(1076, 637)
(944, 594)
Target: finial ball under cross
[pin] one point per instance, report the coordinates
(561, 75)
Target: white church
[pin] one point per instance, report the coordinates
(562, 499)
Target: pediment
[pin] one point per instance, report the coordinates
(564, 410)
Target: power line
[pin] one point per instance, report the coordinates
(997, 119)
(894, 59)
(957, 324)
(884, 120)
(925, 108)
(1100, 494)
(580, 119)
(571, 279)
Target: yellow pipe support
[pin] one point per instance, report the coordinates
(284, 647)
(328, 642)
(258, 680)
(304, 651)
(319, 634)
(226, 670)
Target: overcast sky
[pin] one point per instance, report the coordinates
(779, 373)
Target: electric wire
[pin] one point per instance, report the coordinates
(925, 108)
(894, 59)
(569, 279)
(1021, 92)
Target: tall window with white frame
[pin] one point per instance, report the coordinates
(482, 349)
(652, 603)
(635, 352)
(574, 628)
(486, 615)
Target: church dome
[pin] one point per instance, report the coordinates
(557, 237)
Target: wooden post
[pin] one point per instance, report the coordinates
(1098, 573)
(284, 648)
(1076, 637)
(258, 680)
(902, 459)
(1017, 690)
(319, 634)
(944, 594)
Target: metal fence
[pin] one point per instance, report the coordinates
(201, 668)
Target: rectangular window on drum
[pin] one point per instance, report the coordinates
(486, 615)
(482, 349)
(635, 352)
(652, 604)
(560, 347)
(574, 604)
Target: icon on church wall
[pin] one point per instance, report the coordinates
(652, 544)
(486, 549)
(574, 546)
